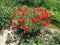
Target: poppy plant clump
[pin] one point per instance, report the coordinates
(31, 19)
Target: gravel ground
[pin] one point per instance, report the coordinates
(3, 38)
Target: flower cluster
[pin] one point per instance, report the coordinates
(30, 19)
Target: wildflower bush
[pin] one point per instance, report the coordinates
(31, 19)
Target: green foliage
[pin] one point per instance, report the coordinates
(56, 16)
(5, 17)
(34, 3)
(49, 4)
(7, 3)
(52, 4)
(9, 39)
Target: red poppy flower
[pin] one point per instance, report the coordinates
(21, 21)
(14, 24)
(24, 27)
(42, 19)
(33, 20)
(39, 10)
(20, 10)
(45, 16)
(37, 20)
(23, 14)
(29, 29)
(34, 12)
(50, 21)
(38, 17)
(12, 17)
(45, 24)
(44, 12)
(26, 9)
(26, 14)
